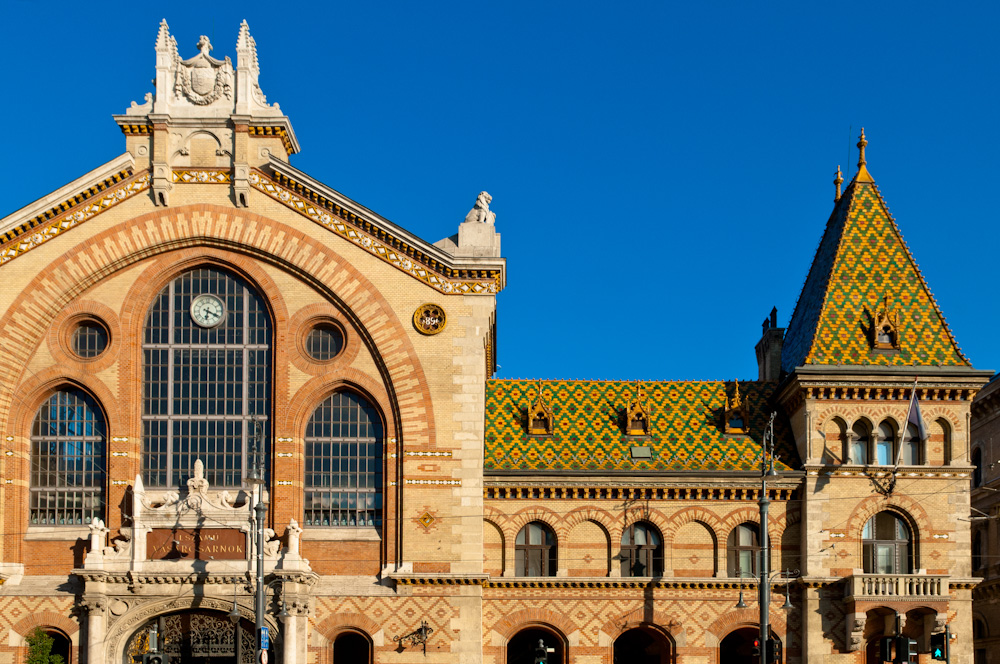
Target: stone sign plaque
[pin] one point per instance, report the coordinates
(196, 544)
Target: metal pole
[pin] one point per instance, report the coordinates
(947, 644)
(764, 585)
(261, 510)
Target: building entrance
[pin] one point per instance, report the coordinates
(196, 637)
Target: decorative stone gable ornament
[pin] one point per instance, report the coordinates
(480, 212)
(737, 417)
(636, 414)
(539, 415)
(203, 79)
(885, 331)
(429, 319)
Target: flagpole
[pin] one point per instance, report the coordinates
(906, 422)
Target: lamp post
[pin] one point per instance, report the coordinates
(255, 479)
(765, 577)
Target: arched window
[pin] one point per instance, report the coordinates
(535, 550)
(885, 436)
(642, 550)
(206, 375)
(742, 549)
(859, 443)
(910, 454)
(344, 463)
(977, 471)
(887, 545)
(67, 461)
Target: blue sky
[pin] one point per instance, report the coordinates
(661, 173)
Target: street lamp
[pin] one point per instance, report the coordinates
(765, 578)
(255, 479)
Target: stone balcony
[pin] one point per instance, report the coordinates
(896, 586)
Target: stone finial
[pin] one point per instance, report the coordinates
(163, 38)
(198, 485)
(98, 533)
(294, 533)
(246, 47)
(862, 143)
(204, 45)
(481, 210)
(839, 180)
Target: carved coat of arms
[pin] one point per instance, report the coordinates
(203, 79)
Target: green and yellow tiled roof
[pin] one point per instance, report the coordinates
(861, 259)
(686, 427)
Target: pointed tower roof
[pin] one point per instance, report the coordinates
(862, 266)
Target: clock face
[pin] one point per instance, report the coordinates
(208, 310)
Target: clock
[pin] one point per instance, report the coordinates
(208, 310)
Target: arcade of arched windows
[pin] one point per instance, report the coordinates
(882, 440)
(205, 382)
(589, 542)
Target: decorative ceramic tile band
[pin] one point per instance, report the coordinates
(74, 217)
(436, 482)
(369, 243)
(202, 177)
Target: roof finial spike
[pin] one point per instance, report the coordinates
(163, 36)
(862, 142)
(839, 180)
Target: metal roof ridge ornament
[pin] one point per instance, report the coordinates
(839, 180)
(862, 175)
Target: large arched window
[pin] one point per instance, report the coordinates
(885, 436)
(742, 550)
(887, 545)
(535, 550)
(67, 461)
(910, 452)
(344, 464)
(642, 550)
(859, 443)
(206, 376)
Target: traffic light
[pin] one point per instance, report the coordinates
(905, 646)
(756, 649)
(939, 646)
(541, 653)
(772, 651)
(885, 649)
(152, 658)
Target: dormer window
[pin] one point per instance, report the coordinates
(539, 415)
(737, 419)
(636, 415)
(885, 330)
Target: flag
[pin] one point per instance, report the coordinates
(912, 417)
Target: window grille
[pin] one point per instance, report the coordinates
(89, 339)
(202, 387)
(67, 461)
(344, 464)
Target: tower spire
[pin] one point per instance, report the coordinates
(839, 180)
(862, 143)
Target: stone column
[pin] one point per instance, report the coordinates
(96, 607)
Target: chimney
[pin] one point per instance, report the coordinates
(769, 348)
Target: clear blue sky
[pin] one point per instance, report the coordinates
(657, 171)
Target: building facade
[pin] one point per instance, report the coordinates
(198, 301)
(985, 510)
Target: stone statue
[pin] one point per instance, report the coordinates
(481, 211)
(294, 533)
(198, 485)
(98, 532)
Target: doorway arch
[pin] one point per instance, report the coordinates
(522, 646)
(642, 645)
(351, 647)
(197, 636)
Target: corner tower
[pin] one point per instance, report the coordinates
(878, 394)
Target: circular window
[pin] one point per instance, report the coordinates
(90, 339)
(324, 342)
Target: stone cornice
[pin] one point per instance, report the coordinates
(65, 198)
(378, 236)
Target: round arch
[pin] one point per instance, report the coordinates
(522, 645)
